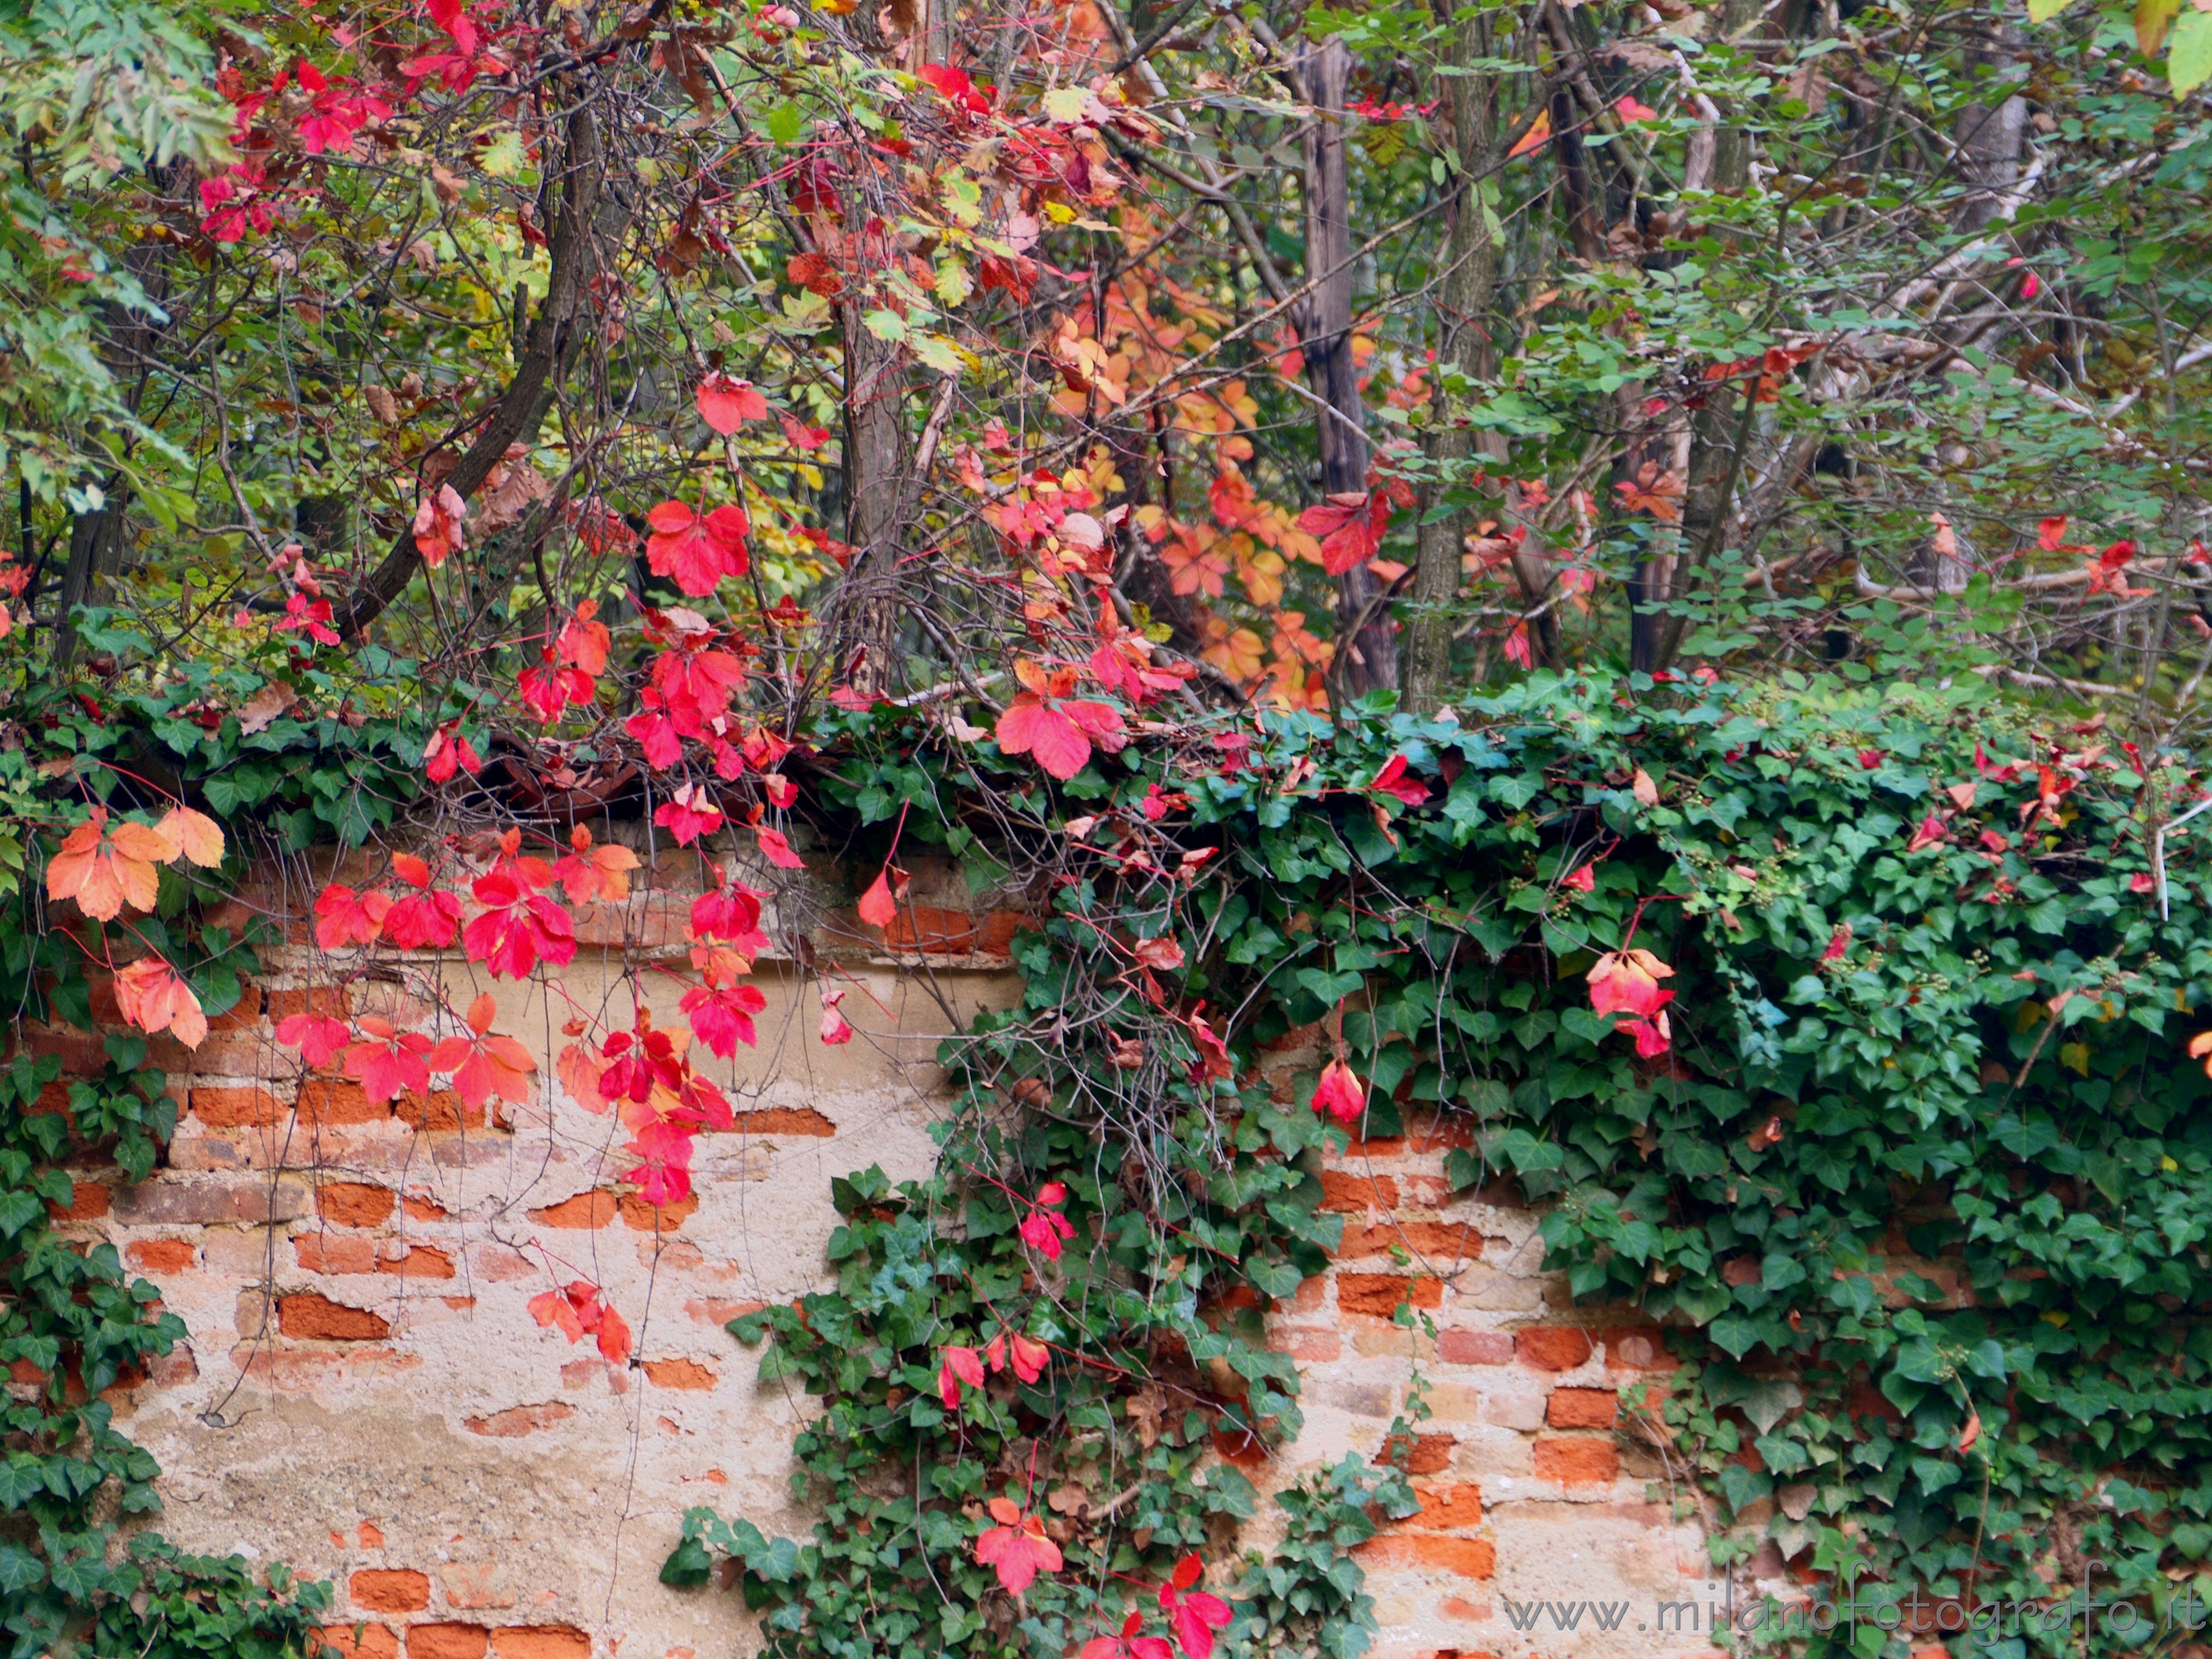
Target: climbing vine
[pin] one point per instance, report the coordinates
(1904, 1153)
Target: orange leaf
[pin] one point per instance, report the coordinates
(103, 873)
(197, 836)
(1536, 138)
(152, 997)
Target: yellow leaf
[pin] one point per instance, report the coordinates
(2075, 1057)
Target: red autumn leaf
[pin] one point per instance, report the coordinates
(516, 929)
(1582, 879)
(663, 1175)
(1350, 526)
(834, 1027)
(696, 551)
(1017, 1549)
(1161, 954)
(1045, 1231)
(954, 86)
(877, 907)
(689, 814)
(1128, 1644)
(1054, 729)
(1839, 942)
(556, 1311)
(614, 1337)
(959, 1365)
(1194, 1615)
(731, 913)
(389, 1063)
(438, 526)
(485, 1063)
(103, 872)
(723, 1019)
(1340, 1093)
(1392, 781)
(151, 995)
(777, 850)
(1627, 982)
(446, 750)
(1030, 1357)
(1929, 832)
(344, 917)
(317, 1037)
(584, 643)
(423, 921)
(725, 404)
(1653, 1035)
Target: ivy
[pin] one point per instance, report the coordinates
(1919, 1191)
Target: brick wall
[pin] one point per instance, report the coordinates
(364, 1394)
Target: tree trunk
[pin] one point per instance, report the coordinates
(1469, 281)
(549, 351)
(1662, 578)
(1989, 137)
(875, 501)
(1369, 659)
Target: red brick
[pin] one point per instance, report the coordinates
(421, 1209)
(354, 1203)
(679, 1374)
(540, 1642)
(1378, 1295)
(1582, 1408)
(375, 1643)
(931, 931)
(339, 1254)
(1456, 1347)
(442, 1110)
(316, 1318)
(1382, 1147)
(1638, 1348)
(422, 1261)
(389, 1590)
(242, 1015)
(1429, 1453)
(236, 1108)
(1343, 1191)
(338, 1100)
(642, 1217)
(718, 1309)
(998, 930)
(330, 1000)
(1447, 1506)
(1576, 1462)
(445, 1641)
(89, 1201)
(163, 1255)
(174, 1369)
(1449, 1241)
(1553, 1347)
(592, 1209)
(1466, 1558)
(783, 1120)
(517, 1421)
(1307, 1347)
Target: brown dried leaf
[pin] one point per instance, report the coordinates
(381, 404)
(265, 707)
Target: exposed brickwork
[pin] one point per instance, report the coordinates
(356, 1279)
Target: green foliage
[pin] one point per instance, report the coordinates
(1921, 1188)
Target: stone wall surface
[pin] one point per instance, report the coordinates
(364, 1394)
